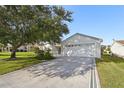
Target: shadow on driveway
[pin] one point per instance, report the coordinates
(62, 67)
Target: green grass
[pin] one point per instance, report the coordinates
(19, 54)
(24, 59)
(111, 71)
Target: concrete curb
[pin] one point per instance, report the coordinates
(97, 79)
(94, 78)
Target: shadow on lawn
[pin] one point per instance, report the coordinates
(21, 60)
(62, 67)
(24, 59)
(113, 58)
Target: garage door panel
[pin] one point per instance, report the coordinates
(85, 50)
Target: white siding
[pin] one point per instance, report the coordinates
(117, 49)
(77, 39)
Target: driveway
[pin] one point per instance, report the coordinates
(62, 72)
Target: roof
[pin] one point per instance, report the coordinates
(85, 36)
(120, 41)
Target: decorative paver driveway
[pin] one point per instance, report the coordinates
(60, 72)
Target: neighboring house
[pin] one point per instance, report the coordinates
(82, 45)
(23, 48)
(55, 49)
(117, 47)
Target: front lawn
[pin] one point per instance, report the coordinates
(24, 59)
(111, 71)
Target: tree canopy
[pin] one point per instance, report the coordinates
(21, 25)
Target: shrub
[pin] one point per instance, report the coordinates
(48, 55)
(43, 55)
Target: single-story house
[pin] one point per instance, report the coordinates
(117, 47)
(23, 48)
(82, 45)
(28, 48)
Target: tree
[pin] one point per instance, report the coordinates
(20, 25)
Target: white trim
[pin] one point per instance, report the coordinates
(90, 77)
(79, 43)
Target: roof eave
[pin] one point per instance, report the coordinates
(101, 40)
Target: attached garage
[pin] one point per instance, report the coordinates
(82, 45)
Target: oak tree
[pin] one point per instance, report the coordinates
(20, 25)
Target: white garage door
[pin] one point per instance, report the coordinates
(84, 50)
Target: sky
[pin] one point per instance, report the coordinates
(105, 22)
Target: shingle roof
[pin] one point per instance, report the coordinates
(120, 41)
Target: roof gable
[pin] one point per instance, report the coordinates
(83, 36)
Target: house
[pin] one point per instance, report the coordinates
(23, 48)
(55, 49)
(82, 45)
(117, 48)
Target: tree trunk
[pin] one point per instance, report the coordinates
(13, 54)
(2, 49)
